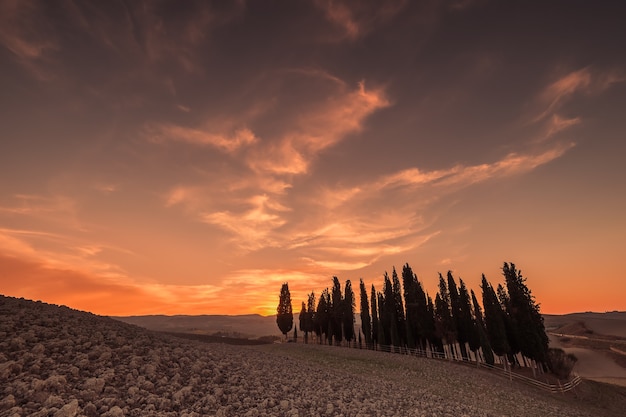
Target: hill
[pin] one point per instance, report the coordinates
(243, 326)
(55, 361)
(598, 340)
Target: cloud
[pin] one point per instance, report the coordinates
(556, 124)
(113, 296)
(26, 33)
(584, 80)
(555, 93)
(355, 19)
(226, 142)
(459, 175)
(395, 213)
(231, 199)
(252, 228)
(58, 210)
(324, 126)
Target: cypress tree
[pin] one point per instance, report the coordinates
(525, 316)
(410, 301)
(494, 319)
(482, 331)
(366, 321)
(336, 316)
(443, 317)
(389, 308)
(310, 315)
(284, 313)
(375, 318)
(400, 322)
(512, 331)
(455, 309)
(303, 322)
(323, 316)
(423, 315)
(431, 330)
(384, 321)
(467, 321)
(348, 312)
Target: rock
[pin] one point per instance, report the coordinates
(38, 349)
(53, 401)
(7, 402)
(90, 410)
(94, 384)
(68, 410)
(55, 383)
(115, 411)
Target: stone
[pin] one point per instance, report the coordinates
(94, 384)
(68, 410)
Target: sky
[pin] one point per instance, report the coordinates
(167, 157)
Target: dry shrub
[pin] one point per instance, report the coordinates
(561, 363)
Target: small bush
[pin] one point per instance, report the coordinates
(561, 363)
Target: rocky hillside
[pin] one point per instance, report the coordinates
(55, 361)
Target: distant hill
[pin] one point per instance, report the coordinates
(598, 340)
(255, 325)
(246, 326)
(611, 323)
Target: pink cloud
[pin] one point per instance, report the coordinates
(227, 142)
(327, 124)
(355, 19)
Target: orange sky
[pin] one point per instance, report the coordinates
(190, 158)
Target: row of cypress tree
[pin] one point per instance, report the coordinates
(402, 314)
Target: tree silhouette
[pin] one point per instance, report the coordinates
(375, 317)
(482, 331)
(348, 304)
(310, 316)
(455, 309)
(444, 322)
(466, 320)
(384, 321)
(284, 313)
(525, 316)
(494, 319)
(322, 316)
(432, 333)
(398, 309)
(336, 312)
(512, 331)
(409, 282)
(389, 310)
(366, 321)
(302, 319)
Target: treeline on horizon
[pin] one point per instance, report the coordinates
(403, 315)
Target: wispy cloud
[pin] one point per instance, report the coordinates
(555, 93)
(274, 163)
(254, 227)
(228, 142)
(355, 19)
(324, 126)
(585, 80)
(363, 226)
(556, 124)
(114, 296)
(58, 209)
